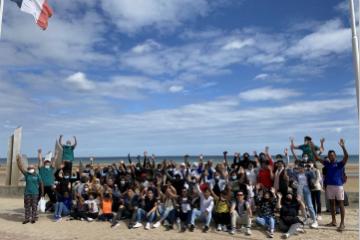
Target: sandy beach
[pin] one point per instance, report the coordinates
(11, 216)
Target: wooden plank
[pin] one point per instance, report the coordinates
(15, 172)
(58, 153)
(9, 161)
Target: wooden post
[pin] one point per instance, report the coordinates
(9, 161)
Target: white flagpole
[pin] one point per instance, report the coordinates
(1, 14)
(355, 46)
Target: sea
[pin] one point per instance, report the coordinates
(353, 159)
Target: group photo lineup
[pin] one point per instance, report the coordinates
(179, 119)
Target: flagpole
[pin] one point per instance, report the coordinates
(1, 14)
(355, 46)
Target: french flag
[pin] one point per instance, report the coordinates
(40, 9)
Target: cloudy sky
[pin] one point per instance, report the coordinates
(178, 76)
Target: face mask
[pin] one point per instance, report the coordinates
(86, 189)
(122, 182)
(193, 181)
(47, 166)
(306, 159)
(233, 177)
(217, 177)
(129, 170)
(66, 177)
(31, 171)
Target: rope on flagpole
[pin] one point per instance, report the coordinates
(1, 14)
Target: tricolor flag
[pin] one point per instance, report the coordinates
(40, 9)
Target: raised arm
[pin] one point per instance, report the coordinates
(20, 164)
(346, 155)
(286, 153)
(75, 142)
(268, 155)
(316, 156)
(216, 197)
(292, 144)
(293, 152)
(322, 140)
(40, 159)
(60, 140)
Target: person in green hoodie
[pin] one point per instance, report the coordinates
(33, 184)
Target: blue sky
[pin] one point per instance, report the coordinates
(179, 76)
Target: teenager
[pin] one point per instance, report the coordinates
(266, 202)
(240, 213)
(146, 210)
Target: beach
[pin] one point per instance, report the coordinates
(12, 214)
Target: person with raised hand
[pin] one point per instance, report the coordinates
(33, 183)
(68, 154)
(334, 182)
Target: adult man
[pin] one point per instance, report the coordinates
(68, 154)
(240, 213)
(334, 182)
(306, 147)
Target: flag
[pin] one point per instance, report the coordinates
(40, 9)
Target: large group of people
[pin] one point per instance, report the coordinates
(231, 195)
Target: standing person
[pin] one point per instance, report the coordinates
(33, 184)
(306, 147)
(316, 189)
(46, 172)
(68, 154)
(334, 182)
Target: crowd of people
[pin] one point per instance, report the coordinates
(230, 195)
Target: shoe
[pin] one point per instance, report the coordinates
(300, 230)
(232, 231)
(248, 231)
(32, 221)
(205, 229)
(115, 225)
(25, 222)
(137, 225)
(314, 225)
(183, 229)
(157, 224)
(147, 226)
(319, 218)
(224, 228)
(82, 219)
(270, 234)
(286, 235)
(58, 219)
(192, 227)
(90, 219)
(218, 227)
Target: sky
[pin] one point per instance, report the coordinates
(178, 77)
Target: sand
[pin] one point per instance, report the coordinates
(11, 216)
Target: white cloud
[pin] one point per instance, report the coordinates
(261, 76)
(329, 38)
(133, 15)
(148, 46)
(238, 44)
(268, 93)
(176, 88)
(80, 81)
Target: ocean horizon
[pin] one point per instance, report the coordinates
(353, 159)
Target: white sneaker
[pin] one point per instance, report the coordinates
(319, 218)
(248, 231)
(300, 230)
(137, 225)
(314, 224)
(90, 219)
(58, 219)
(224, 228)
(157, 224)
(147, 226)
(286, 235)
(232, 232)
(218, 227)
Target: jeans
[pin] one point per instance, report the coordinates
(141, 214)
(196, 213)
(61, 209)
(168, 214)
(308, 202)
(316, 201)
(268, 222)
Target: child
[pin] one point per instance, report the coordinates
(106, 207)
(92, 206)
(222, 211)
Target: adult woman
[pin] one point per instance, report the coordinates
(33, 184)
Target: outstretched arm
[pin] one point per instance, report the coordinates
(316, 156)
(293, 153)
(20, 164)
(346, 155)
(60, 140)
(292, 144)
(322, 140)
(40, 159)
(75, 142)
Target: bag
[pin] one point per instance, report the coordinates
(42, 205)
